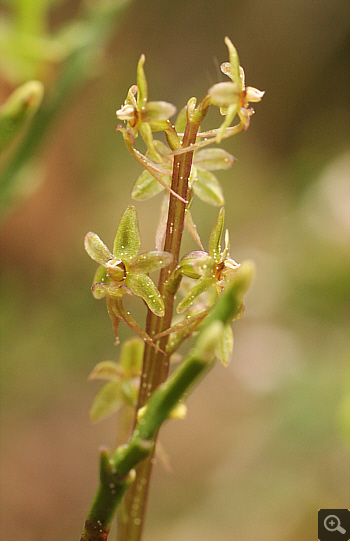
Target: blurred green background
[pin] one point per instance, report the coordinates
(266, 441)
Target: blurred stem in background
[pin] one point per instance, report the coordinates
(77, 47)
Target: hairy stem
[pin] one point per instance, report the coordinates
(155, 365)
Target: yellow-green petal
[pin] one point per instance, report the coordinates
(213, 159)
(207, 188)
(131, 357)
(150, 261)
(142, 286)
(107, 401)
(200, 287)
(109, 370)
(157, 111)
(215, 237)
(127, 241)
(186, 266)
(96, 249)
(224, 94)
(142, 92)
(146, 186)
(234, 61)
(98, 284)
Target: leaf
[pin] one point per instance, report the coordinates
(212, 159)
(150, 261)
(107, 401)
(131, 357)
(142, 286)
(107, 370)
(215, 237)
(224, 349)
(127, 241)
(207, 188)
(96, 249)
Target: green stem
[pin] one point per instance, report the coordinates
(155, 365)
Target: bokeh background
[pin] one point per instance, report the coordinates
(266, 441)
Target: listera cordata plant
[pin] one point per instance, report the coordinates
(198, 294)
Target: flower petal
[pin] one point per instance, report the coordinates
(96, 249)
(142, 286)
(142, 92)
(127, 241)
(226, 251)
(212, 159)
(131, 357)
(232, 110)
(126, 113)
(113, 289)
(253, 94)
(186, 265)
(107, 370)
(207, 188)
(234, 62)
(201, 285)
(107, 401)
(224, 94)
(156, 111)
(98, 284)
(150, 261)
(146, 186)
(215, 237)
(226, 69)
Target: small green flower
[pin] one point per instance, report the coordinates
(123, 381)
(199, 310)
(125, 271)
(144, 116)
(213, 268)
(233, 98)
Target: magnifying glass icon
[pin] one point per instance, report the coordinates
(332, 524)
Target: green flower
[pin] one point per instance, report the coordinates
(125, 271)
(209, 269)
(123, 381)
(144, 116)
(233, 98)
